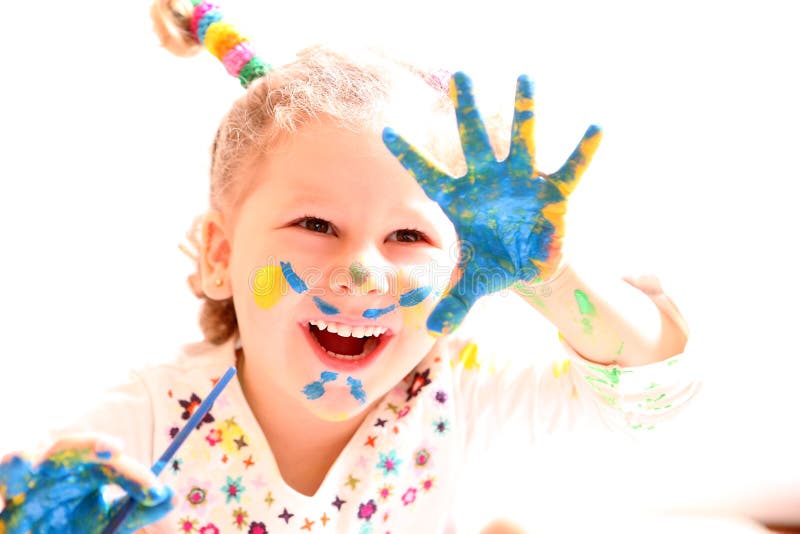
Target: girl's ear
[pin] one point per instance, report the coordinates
(215, 255)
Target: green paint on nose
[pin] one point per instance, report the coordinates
(359, 273)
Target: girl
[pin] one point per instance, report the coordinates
(337, 264)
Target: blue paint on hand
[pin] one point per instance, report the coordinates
(509, 216)
(357, 390)
(374, 313)
(64, 494)
(324, 307)
(415, 296)
(316, 389)
(294, 280)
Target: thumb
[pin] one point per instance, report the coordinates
(149, 512)
(450, 311)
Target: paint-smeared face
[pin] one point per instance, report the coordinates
(338, 256)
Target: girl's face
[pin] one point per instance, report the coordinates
(336, 238)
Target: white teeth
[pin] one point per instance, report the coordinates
(343, 330)
(347, 330)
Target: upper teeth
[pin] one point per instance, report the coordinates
(347, 330)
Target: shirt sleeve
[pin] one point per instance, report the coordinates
(124, 411)
(536, 385)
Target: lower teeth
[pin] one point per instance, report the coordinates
(369, 346)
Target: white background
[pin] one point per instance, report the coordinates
(104, 164)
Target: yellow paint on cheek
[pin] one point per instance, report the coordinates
(339, 417)
(269, 286)
(414, 317)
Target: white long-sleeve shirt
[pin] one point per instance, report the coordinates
(400, 471)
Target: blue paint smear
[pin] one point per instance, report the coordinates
(328, 376)
(415, 296)
(356, 390)
(295, 281)
(374, 313)
(66, 496)
(316, 389)
(324, 307)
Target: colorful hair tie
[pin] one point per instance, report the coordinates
(226, 43)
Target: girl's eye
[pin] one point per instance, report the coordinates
(407, 236)
(315, 224)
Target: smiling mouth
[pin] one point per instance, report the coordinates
(345, 342)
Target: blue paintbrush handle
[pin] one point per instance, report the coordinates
(176, 443)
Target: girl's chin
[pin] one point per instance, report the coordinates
(338, 403)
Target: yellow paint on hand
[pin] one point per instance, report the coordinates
(269, 285)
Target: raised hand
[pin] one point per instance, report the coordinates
(63, 493)
(509, 216)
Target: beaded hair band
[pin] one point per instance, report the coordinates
(226, 43)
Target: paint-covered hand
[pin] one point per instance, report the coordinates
(509, 216)
(63, 493)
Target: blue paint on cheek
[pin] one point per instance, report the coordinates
(415, 296)
(374, 313)
(324, 307)
(294, 280)
(356, 390)
(316, 389)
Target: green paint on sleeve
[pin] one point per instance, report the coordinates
(584, 304)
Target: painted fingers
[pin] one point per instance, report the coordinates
(63, 489)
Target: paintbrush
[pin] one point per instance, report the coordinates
(191, 424)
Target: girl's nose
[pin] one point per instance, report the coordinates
(361, 279)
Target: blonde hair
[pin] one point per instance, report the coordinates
(354, 89)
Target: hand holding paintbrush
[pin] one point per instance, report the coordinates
(64, 492)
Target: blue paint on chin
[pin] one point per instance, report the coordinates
(104, 455)
(316, 389)
(415, 296)
(374, 313)
(324, 307)
(356, 390)
(328, 376)
(294, 280)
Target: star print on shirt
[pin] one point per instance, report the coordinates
(371, 441)
(420, 381)
(380, 422)
(308, 525)
(352, 482)
(338, 503)
(286, 516)
(189, 406)
(324, 519)
(240, 442)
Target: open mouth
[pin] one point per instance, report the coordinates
(347, 345)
